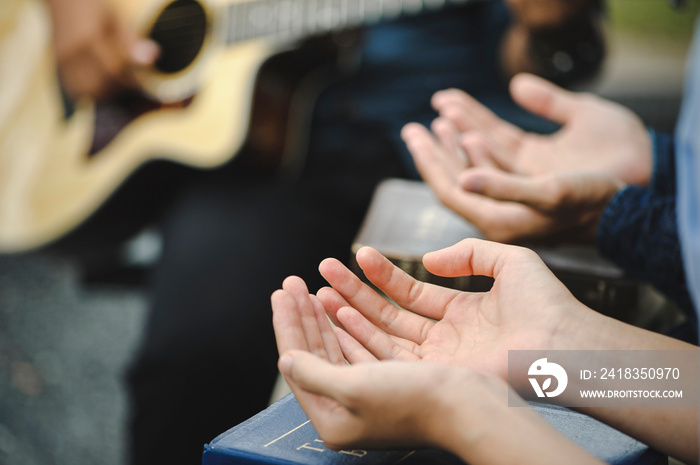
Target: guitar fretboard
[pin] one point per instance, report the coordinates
(294, 19)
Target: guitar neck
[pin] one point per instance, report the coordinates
(294, 19)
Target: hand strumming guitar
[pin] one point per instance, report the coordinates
(97, 54)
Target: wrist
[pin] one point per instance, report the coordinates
(484, 428)
(583, 329)
(470, 409)
(592, 218)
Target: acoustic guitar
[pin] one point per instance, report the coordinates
(56, 168)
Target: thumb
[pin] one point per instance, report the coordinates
(472, 257)
(311, 373)
(543, 98)
(547, 193)
(542, 193)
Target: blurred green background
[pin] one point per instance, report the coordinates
(654, 19)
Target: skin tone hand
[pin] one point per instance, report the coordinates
(596, 135)
(97, 54)
(527, 308)
(531, 186)
(396, 404)
(508, 207)
(301, 325)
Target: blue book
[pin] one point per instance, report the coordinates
(282, 434)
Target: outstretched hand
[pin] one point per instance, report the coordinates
(404, 401)
(516, 186)
(504, 206)
(403, 404)
(596, 135)
(527, 308)
(371, 404)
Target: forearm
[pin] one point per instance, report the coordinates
(670, 430)
(587, 329)
(507, 434)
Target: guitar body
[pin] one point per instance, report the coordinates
(206, 99)
(49, 180)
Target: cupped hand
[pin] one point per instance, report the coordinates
(504, 206)
(596, 135)
(527, 308)
(370, 405)
(390, 404)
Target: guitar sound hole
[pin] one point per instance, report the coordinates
(180, 31)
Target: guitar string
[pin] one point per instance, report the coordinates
(290, 19)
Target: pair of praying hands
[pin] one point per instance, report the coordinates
(432, 372)
(517, 186)
(432, 369)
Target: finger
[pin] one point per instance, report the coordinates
(477, 151)
(350, 343)
(323, 390)
(538, 192)
(543, 98)
(353, 351)
(330, 341)
(449, 151)
(547, 193)
(315, 375)
(144, 53)
(465, 111)
(380, 344)
(379, 311)
(289, 333)
(469, 114)
(356, 353)
(502, 140)
(121, 52)
(497, 220)
(332, 301)
(446, 134)
(474, 257)
(83, 76)
(429, 148)
(134, 49)
(110, 49)
(408, 293)
(296, 287)
(435, 169)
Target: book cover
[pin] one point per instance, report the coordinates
(405, 221)
(283, 435)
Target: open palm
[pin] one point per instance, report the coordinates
(524, 309)
(596, 135)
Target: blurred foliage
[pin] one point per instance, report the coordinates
(654, 18)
